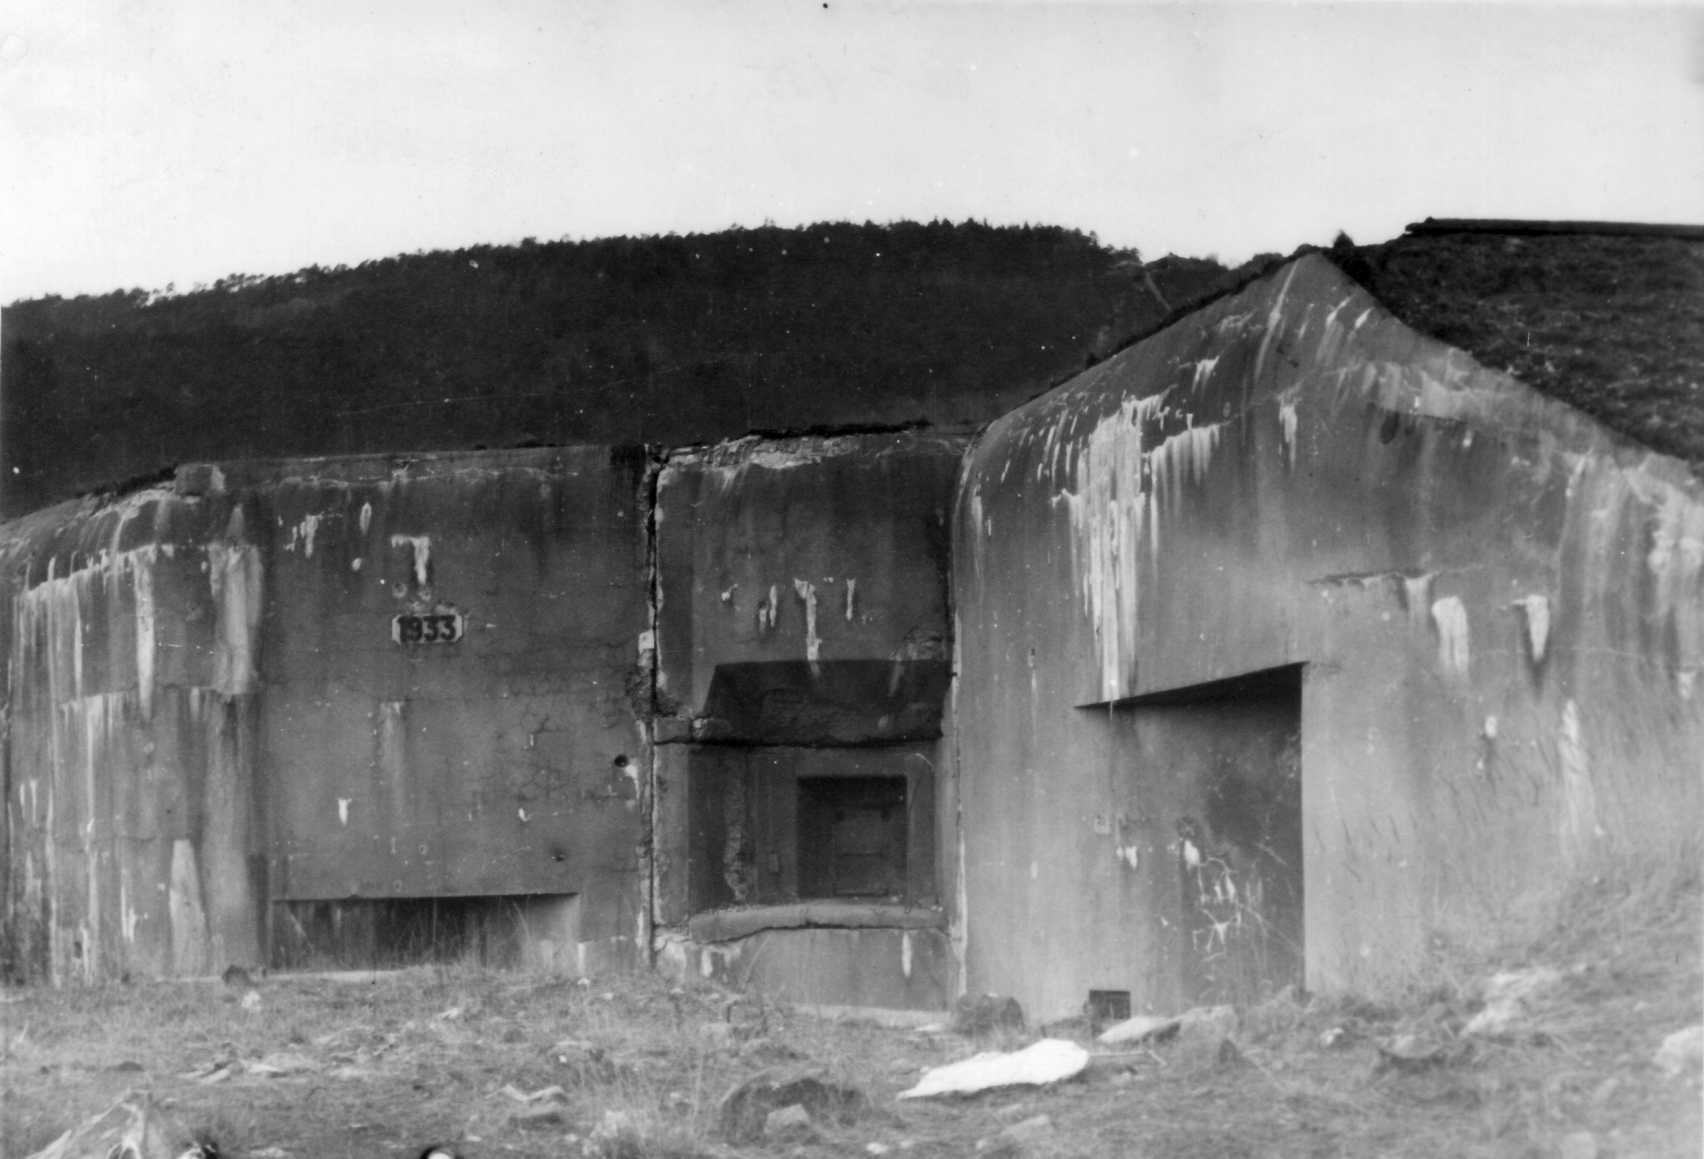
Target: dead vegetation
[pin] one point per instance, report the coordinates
(500, 1064)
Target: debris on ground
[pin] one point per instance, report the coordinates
(744, 1111)
(1042, 1063)
(1414, 1052)
(1200, 1024)
(977, 1014)
(134, 1127)
(282, 1064)
(1681, 1050)
(791, 1119)
(1509, 1000)
(615, 1135)
(1141, 1028)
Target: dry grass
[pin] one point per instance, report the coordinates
(395, 1061)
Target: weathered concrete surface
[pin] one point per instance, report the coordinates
(131, 722)
(803, 589)
(210, 710)
(727, 821)
(802, 626)
(731, 924)
(895, 969)
(1498, 605)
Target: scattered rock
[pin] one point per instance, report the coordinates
(744, 1110)
(1049, 1061)
(133, 1127)
(1578, 1145)
(1509, 998)
(1681, 1050)
(586, 1062)
(251, 1002)
(1209, 1025)
(615, 1137)
(282, 1064)
(1142, 1028)
(979, 1014)
(1415, 1053)
(792, 1119)
(553, 1092)
(545, 1114)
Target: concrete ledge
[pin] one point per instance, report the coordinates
(732, 924)
(879, 1015)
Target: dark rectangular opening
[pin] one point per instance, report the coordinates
(394, 932)
(852, 837)
(1108, 1007)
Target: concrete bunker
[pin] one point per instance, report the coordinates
(802, 681)
(1280, 646)
(1472, 598)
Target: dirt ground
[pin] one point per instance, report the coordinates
(618, 1068)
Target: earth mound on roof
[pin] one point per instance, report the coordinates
(1607, 318)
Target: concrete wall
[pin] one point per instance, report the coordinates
(802, 634)
(210, 712)
(1498, 606)
(131, 731)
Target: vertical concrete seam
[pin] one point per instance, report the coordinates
(655, 460)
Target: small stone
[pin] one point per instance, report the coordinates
(1141, 1028)
(1207, 1023)
(251, 1001)
(1509, 999)
(615, 1134)
(790, 1119)
(977, 1014)
(1680, 1050)
(545, 1114)
(744, 1110)
(876, 1148)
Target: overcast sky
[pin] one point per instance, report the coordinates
(147, 142)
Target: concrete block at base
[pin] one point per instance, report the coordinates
(887, 968)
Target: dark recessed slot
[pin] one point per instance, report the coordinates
(852, 837)
(1107, 1007)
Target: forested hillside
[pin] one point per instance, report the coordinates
(663, 340)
